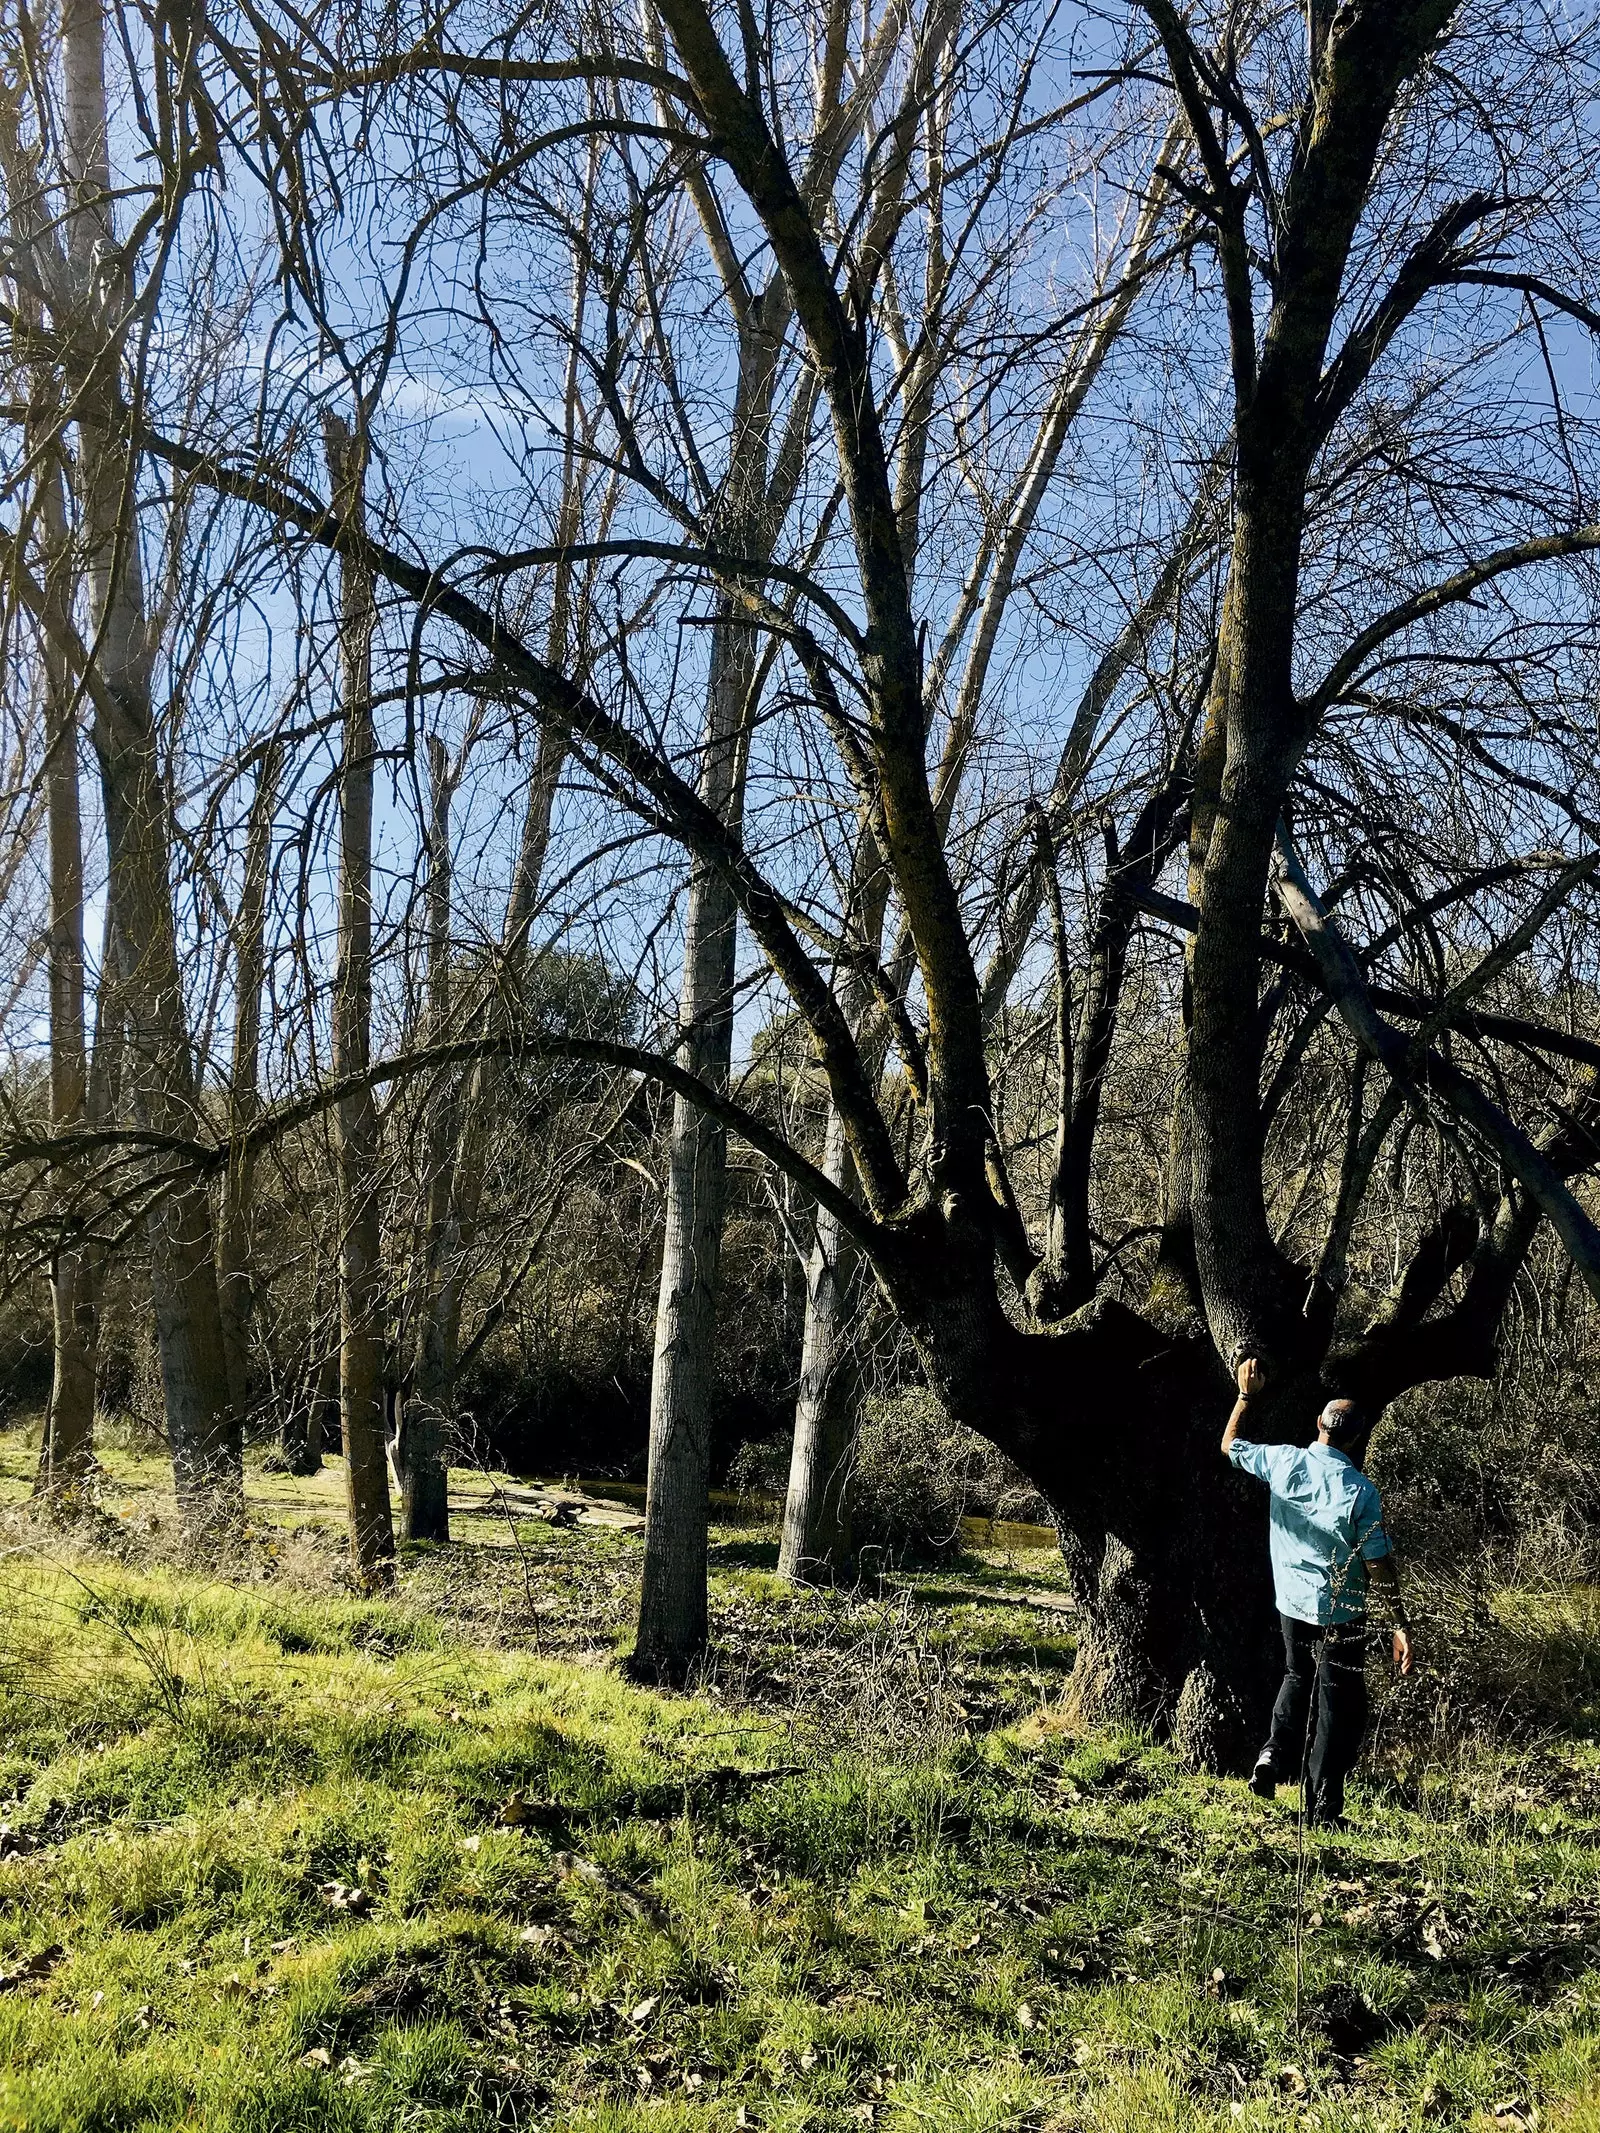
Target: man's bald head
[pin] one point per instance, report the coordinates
(1342, 1423)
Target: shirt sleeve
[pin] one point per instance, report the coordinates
(1372, 1540)
(1251, 1458)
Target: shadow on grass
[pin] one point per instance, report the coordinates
(744, 1554)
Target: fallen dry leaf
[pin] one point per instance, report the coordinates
(339, 1896)
(32, 1968)
(571, 1868)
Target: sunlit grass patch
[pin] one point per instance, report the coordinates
(274, 1859)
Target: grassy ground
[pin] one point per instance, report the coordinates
(276, 1857)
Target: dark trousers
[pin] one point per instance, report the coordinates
(1330, 1667)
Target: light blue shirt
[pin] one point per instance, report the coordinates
(1327, 1525)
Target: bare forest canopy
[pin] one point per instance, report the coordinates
(952, 648)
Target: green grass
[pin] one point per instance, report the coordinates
(263, 1829)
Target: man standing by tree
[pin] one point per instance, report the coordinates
(1327, 1540)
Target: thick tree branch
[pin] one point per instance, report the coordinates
(424, 60)
(958, 1069)
(69, 1151)
(1451, 591)
(736, 573)
(1342, 975)
(1530, 285)
(1472, 1022)
(1430, 263)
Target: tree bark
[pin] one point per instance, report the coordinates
(361, 1292)
(67, 1454)
(816, 1546)
(420, 1451)
(236, 1284)
(672, 1599)
(315, 1417)
(1256, 728)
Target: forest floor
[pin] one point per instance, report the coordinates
(273, 1856)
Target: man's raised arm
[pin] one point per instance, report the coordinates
(1251, 1379)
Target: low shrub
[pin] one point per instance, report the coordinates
(916, 1475)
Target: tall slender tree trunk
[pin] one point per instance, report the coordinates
(456, 1196)
(460, 1129)
(672, 1601)
(236, 1283)
(672, 1598)
(202, 1428)
(672, 1606)
(361, 1385)
(315, 1415)
(421, 1452)
(816, 1547)
(67, 1454)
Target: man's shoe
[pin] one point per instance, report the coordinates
(1264, 1779)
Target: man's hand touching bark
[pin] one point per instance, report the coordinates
(1252, 1376)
